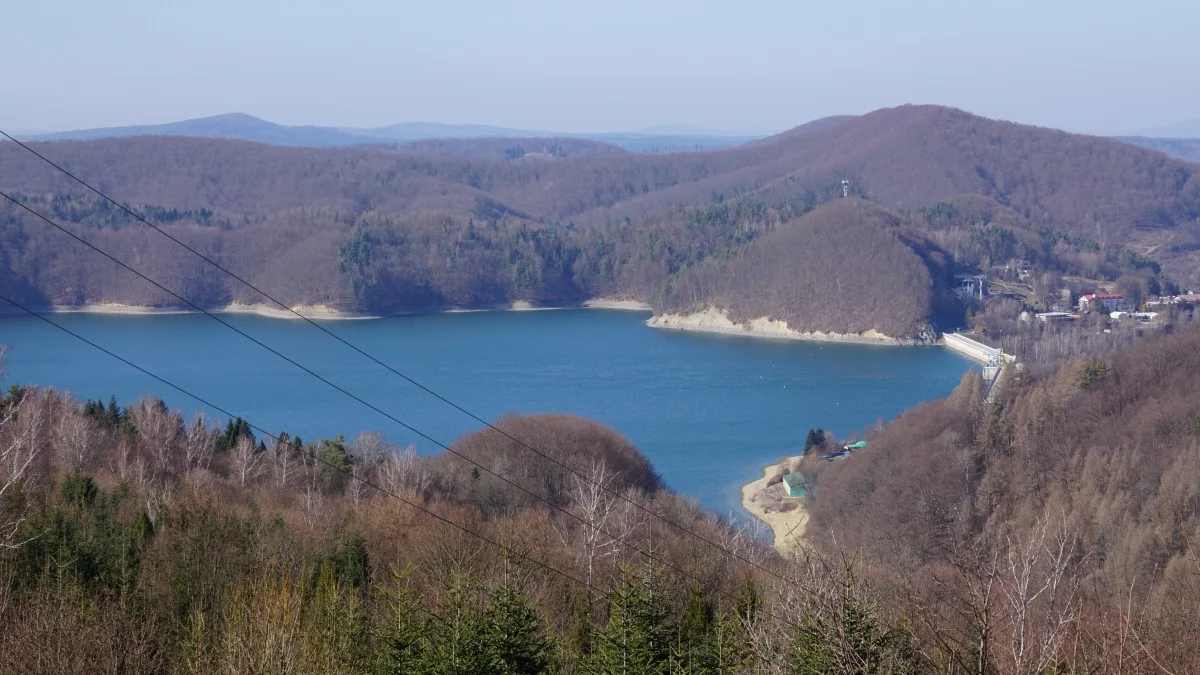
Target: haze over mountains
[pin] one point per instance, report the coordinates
(1184, 129)
(1183, 148)
(244, 127)
(383, 229)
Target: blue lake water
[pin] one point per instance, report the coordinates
(708, 410)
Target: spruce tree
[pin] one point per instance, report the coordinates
(342, 635)
(460, 634)
(850, 640)
(515, 642)
(636, 640)
(403, 642)
(695, 650)
(115, 415)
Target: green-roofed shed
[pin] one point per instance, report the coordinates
(794, 484)
(857, 445)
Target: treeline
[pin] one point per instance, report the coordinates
(371, 261)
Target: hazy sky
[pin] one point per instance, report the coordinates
(1101, 66)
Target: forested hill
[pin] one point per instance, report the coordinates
(1099, 456)
(382, 229)
(847, 253)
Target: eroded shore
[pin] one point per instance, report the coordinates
(326, 313)
(713, 320)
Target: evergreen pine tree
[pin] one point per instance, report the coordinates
(403, 642)
(731, 646)
(343, 631)
(228, 437)
(350, 562)
(115, 415)
(460, 642)
(695, 650)
(850, 640)
(636, 640)
(515, 642)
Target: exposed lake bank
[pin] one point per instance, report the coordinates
(768, 502)
(327, 313)
(713, 320)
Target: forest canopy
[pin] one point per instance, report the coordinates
(375, 229)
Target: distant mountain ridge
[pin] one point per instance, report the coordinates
(1185, 129)
(453, 222)
(240, 126)
(1183, 148)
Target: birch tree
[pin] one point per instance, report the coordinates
(159, 431)
(199, 442)
(77, 439)
(403, 471)
(285, 458)
(1041, 586)
(22, 428)
(246, 461)
(594, 500)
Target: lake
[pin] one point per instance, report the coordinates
(708, 410)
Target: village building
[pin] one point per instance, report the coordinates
(1105, 302)
(1054, 317)
(793, 483)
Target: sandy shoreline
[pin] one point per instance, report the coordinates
(787, 526)
(714, 320)
(325, 313)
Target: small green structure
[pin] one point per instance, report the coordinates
(857, 445)
(794, 484)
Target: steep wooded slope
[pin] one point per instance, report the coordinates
(1105, 453)
(845, 267)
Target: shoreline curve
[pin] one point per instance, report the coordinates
(788, 527)
(326, 313)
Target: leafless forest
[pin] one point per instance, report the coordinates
(389, 229)
(1092, 469)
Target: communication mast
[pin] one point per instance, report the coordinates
(845, 188)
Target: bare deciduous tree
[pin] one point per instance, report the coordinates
(246, 461)
(593, 499)
(285, 459)
(370, 450)
(77, 439)
(403, 471)
(25, 426)
(1041, 585)
(199, 442)
(17, 455)
(159, 431)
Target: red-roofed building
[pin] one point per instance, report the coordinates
(1107, 302)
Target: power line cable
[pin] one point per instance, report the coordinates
(646, 554)
(578, 474)
(353, 476)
